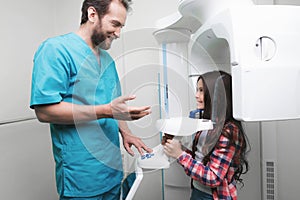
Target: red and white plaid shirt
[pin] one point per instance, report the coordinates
(219, 171)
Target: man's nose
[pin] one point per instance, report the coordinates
(117, 33)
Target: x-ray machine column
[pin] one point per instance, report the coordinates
(175, 98)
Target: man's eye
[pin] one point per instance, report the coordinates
(115, 24)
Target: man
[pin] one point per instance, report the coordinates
(75, 88)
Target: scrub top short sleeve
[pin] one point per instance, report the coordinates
(50, 75)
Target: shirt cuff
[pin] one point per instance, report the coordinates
(183, 156)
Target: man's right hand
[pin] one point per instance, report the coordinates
(121, 111)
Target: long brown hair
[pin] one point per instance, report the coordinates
(217, 86)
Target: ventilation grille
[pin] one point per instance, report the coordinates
(270, 181)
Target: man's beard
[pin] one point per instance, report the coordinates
(98, 38)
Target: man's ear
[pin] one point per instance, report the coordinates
(92, 14)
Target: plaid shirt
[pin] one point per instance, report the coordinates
(219, 171)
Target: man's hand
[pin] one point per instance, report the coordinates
(129, 140)
(121, 111)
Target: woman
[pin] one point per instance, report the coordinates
(218, 156)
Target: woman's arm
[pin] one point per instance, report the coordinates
(216, 169)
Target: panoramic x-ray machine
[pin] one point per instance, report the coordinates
(258, 44)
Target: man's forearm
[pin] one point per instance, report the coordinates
(68, 113)
(123, 128)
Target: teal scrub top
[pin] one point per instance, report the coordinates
(87, 155)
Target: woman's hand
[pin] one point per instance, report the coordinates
(172, 148)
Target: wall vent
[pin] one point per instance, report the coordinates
(270, 181)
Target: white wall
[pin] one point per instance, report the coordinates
(67, 15)
(21, 31)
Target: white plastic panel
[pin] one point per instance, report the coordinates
(263, 94)
(202, 10)
(264, 59)
(266, 77)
